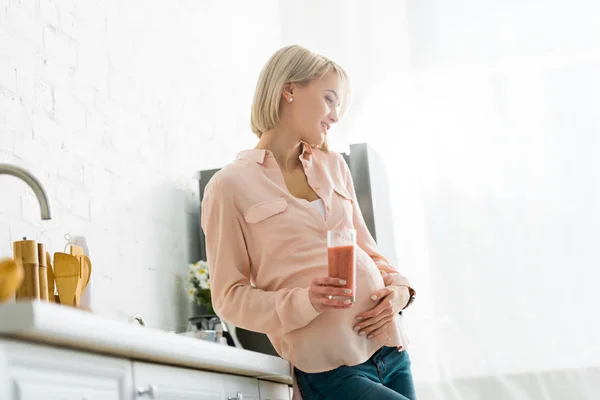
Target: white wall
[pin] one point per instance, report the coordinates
(114, 106)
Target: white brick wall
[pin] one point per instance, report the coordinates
(114, 106)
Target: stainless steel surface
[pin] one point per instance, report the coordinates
(34, 184)
(203, 178)
(371, 185)
(151, 391)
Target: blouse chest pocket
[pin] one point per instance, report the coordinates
(265, 209)
(268, 229)
(342, 203)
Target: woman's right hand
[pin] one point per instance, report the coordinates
(321, 289)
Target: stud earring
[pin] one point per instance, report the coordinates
(291, 99)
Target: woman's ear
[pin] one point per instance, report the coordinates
(288, 91)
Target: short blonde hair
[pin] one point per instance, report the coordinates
(294, 64)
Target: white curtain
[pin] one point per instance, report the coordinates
(488, 116)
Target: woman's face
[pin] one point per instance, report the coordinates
(314, 107)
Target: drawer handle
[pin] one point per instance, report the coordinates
(239, 396)
(151, 391)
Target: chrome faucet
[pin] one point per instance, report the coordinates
(33, 183)
(139, 319)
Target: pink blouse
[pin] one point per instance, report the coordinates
(264, 246)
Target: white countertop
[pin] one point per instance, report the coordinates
(70, 327)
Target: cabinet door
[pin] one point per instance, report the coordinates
(161, 382)
(240, 387)
(33, 372)
(273, 391)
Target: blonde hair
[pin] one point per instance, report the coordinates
(290, 64)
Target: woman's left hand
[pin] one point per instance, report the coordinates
(391, 300)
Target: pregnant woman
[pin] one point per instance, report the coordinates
(266, 217)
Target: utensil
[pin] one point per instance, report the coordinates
(50, 275)
(86, 270)
(67, 274)
(87, 295)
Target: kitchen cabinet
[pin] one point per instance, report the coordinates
(31, 371)
(172, 383)
(240, 387)
(162, 382)
(34, 372)
(52, 352)
(273, 391)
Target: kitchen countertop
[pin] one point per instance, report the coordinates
(54, 324)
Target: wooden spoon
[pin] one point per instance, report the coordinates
(67, 274)
(50, 273)
(86, 271)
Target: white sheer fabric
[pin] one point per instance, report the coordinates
(487, 114)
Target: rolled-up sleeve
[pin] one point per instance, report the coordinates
(234, 298)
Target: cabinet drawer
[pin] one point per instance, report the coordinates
(175, 383)
(33, 372)
(162, 382)
(240, 387)
(273, 391)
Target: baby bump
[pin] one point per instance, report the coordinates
(331, 334)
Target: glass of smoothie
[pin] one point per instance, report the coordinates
(342, 261)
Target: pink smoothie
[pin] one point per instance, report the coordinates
(342, 265)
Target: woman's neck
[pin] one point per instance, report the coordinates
(284, 147)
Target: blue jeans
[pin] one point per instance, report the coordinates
(384, 376)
